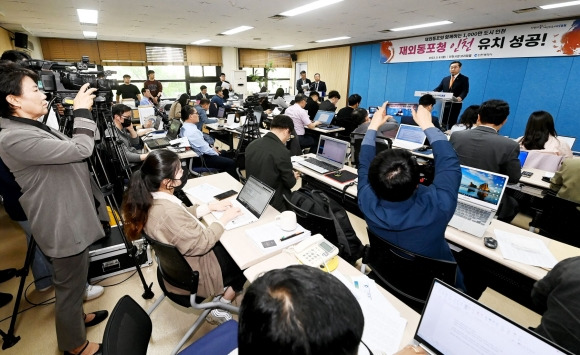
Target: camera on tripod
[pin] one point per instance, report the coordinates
(254, 100)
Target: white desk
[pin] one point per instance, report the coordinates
(186, 154)
(535, 179)
(326, 131)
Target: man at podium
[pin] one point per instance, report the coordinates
(458, 84)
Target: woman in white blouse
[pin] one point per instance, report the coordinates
(541, 135)
(279, 99)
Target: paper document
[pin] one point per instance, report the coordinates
(549, 174)
(267, 236)
(145, 111)
(204, 192)
(524, 249)
(225, 86)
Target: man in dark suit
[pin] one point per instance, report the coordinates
(483, 148)
(302, 81)
(318, 85)
(202, 93)
(458, 84)
(225, 85)
(268, 159)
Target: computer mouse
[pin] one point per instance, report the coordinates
(490, 242)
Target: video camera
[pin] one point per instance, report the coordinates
(254, 100)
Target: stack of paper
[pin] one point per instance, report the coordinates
(204, 192)
(524, 249)
(267, 236)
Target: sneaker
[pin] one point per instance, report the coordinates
(93, 291)
(44, 289)
(218, 316)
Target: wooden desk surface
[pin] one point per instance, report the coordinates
(285, 259)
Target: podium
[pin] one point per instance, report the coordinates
(441, 98)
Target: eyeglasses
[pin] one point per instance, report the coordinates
(126, 117)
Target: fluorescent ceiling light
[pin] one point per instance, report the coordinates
(90, 34)
(332, 39)
(562, 4)
(201, 41)
(284, 46)
(310, 7)
(431, 24)
(237, 30)
(88, 16)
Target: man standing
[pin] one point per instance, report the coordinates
(300, 118)
(128, 90)
(225, 85)
(268, 159)
(302, 81)
(318, 85)
(154, 87)
(458, 84)
(202, 93)
(483, 148)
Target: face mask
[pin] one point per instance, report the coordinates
(126, 123)
(183, 180)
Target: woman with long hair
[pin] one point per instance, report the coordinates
(467, 120)
(279, 99)
(150, 206)
(177, 106)
(541, 135)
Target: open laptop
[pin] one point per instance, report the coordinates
(252, 200)
(172, 132)
(453, 323)
(480, 193)
(330, 155)
(325, 117)
(409, 137)
(221, 112)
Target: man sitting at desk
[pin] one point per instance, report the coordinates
(483, 148)
(398, 209)
(202, 93)
(312, 104)
(216, 102)
(344, 116)
(300, 118)
(147, 99)
(127, 134)
(210, 157)
(330, 104)
(268, 159)
(201, 109)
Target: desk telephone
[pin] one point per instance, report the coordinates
(316, 252)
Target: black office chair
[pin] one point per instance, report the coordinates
(294, 144)
(128, 329)
(198, 168)
(174, 269)
(381, 143)
(406, 275)
(558, 219)
(241, 177)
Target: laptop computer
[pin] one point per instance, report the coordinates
(252, 200)
(172, 132)
(330, 155)
(221, 112)
(409, 137)
(453, 323)
(480, 193)
(325, 117)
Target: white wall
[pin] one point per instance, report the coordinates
(230, 62)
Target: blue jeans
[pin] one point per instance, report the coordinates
(41, 267)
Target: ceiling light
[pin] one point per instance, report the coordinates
(201, 41)
(284, 46)
(310, 7)
(431, 24)
(90, 34)
(88, 16)
(237, 30)
(332, 39)
(562, 4)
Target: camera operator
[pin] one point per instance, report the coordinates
(56, 193)
(127, 134)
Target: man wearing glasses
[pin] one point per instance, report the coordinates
(127, 134)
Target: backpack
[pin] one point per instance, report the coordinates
(317, 202)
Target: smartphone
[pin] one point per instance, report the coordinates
(400, 108)
(225, 195)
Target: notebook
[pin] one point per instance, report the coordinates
(409, 137)
(453, 323)
(330, 155)
(325, 117)
(158, 143)
(252, 200)
(480, 193)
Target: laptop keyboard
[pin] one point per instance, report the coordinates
(321, 164)
(471, 213)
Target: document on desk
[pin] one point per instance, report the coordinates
(525, 250)
(183, 142)
(384, 327)
(268, 236)
(204, 192)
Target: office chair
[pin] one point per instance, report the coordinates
(406, 275)
(174, 269)
(381, 143)
(294, 144)
(219, 341)
(128, 329)
(197, 167)
(557, 218)
(241, 177)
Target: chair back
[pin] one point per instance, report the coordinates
(556, 220)
(543, 161)
(294, 144)
(128, 329)
(381, 143)
(407, 275)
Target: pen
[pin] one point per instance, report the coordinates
(290, 236)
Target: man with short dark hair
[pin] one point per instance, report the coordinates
(318, 85)
(396, 207)
(201, 109)
(268, 159)
(482, 147)
(458, 84)
(202, 93)
(361, 116)
(147, 99)
(217, 101)
(300, 117)
(154, 86)
(225, 87)
(128, 90)
(302, 81)
(122, 120)
(330, 104)
(312, 104)
(344, 116)
(426, 101)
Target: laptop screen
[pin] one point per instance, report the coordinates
(221, 112)
(332, 149)
(410, 133)
(173, 130)
(481, 185)
(255, 196)
(523, 156)
(453, 323)
(324, 116)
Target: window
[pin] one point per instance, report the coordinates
(137, 73)
(168, 72)
(277, 78)
(173, 89)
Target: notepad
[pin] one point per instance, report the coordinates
(267, 236)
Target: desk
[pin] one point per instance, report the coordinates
(187, 154)
(229, 132)
(535, 179)
(285, 259)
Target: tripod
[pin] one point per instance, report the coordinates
(250, 131)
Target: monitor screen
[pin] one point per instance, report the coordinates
(332, 149)
(324, 116)
(255, 195)
(411, 134)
